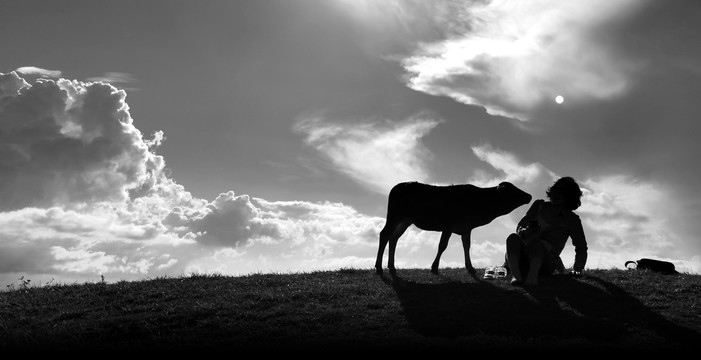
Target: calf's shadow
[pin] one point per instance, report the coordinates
(565, 309)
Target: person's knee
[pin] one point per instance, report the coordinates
(536, 250)
(513, 241)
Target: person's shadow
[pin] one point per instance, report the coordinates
(565, 310)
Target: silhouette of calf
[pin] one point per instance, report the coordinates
(450, 209)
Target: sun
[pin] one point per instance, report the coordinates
(559, 99)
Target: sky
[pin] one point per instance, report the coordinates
(141, 139)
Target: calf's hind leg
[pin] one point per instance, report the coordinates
(466, 248)
(389, 234)
(384, 238)
(442, 245)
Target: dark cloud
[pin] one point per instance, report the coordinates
(650, 132)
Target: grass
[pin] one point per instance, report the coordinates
(354, 311)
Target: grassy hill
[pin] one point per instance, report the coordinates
(356, 311)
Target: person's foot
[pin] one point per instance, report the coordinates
(516, 282)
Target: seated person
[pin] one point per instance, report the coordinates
(534, 250)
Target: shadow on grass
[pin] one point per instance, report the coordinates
(561, 311)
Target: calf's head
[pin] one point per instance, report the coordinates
(512, 197)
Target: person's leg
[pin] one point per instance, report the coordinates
(514, 247)
(536, 253)
(549, 265)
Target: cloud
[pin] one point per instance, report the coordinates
(515, 55)
(84, 194)
(69, 243)
(113, 77)
(33, 70)
(120, 79)
(509, 167)
(621, 215)
(67, 142)
(377, 155)
(624, 214)
(10, 84)
(307, 236)
(229, 220)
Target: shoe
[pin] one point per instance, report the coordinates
(516, 282)
(500, 272)
(489, 273)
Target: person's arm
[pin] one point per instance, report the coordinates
(531, 214)
(559, 266)
(580, 245)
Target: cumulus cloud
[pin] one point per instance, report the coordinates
(513, 55)
(377, 155)
(242, 234)
(74, 244)
(229, 220)
(67, 142)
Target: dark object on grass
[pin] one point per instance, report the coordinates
(660, 266)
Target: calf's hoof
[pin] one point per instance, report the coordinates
(434, 270)
(378, 270)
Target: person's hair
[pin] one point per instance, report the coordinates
(568, 188)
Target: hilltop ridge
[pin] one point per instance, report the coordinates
(357, 310)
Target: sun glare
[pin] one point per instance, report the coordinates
(559, 99)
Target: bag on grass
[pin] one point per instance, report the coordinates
(660, 266)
